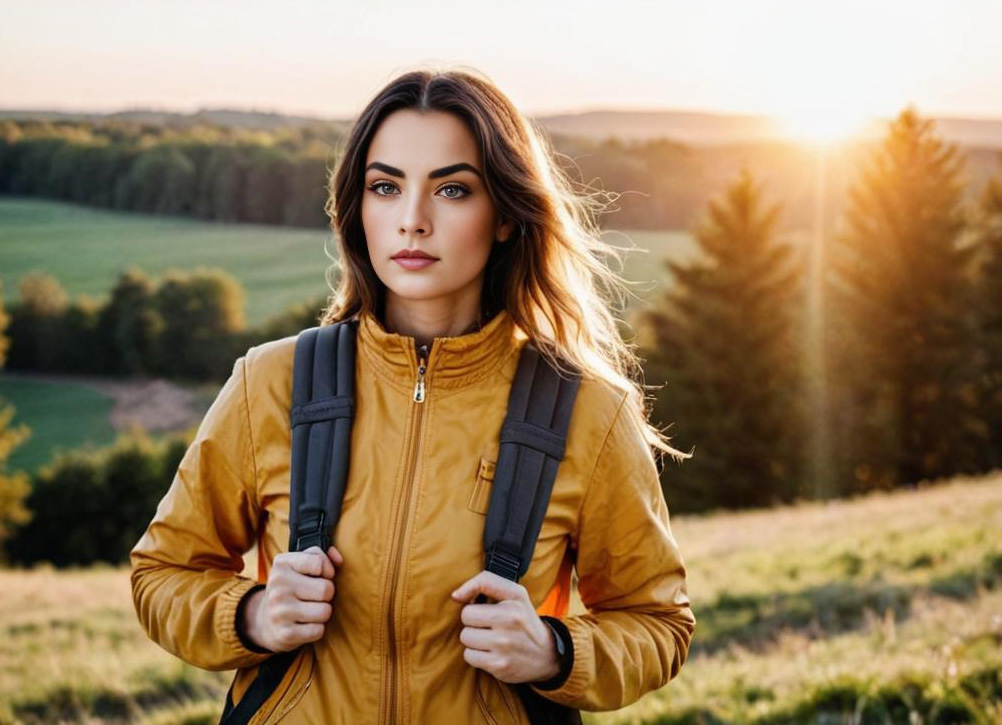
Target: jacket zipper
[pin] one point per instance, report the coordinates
(417, 397)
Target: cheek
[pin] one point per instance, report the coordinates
(470, 227)
(372, 223)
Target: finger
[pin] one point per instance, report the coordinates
(308, 632)
(309, 562)
(327, 569)
(309, 612)
(478, 615)
(335, 555)
(477, 658)
(313, 588)
(490, 584)
(477, 638)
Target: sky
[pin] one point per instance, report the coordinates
(799, 60)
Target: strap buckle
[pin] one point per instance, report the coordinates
(316, 535)
(504, 563)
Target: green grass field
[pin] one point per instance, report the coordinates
(882, 609)
(86, 249)
(60, 415)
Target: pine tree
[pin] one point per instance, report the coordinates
(990, 317)
(14, 487)
(725, 342)
(901, 275)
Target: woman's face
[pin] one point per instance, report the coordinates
(424, 191)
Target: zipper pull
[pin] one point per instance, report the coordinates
(422, 366)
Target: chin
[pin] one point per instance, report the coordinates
(417, 291)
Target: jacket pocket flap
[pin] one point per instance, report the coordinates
(480, 496)
(486, 468)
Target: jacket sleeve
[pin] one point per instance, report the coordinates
(635, 635)
(186, 584)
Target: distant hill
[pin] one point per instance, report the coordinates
(689, 127)
(711, 129)
(252, 120)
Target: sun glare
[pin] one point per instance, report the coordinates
(820, 125)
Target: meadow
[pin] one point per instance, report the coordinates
(43, 406)
(884, 608)
(86, 249)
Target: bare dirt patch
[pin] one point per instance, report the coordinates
(151, 403)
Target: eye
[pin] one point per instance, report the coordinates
(457, 187)
(379, 184)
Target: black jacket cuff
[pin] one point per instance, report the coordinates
(567, 663)
(239, 617)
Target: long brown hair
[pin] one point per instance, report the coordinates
(551, 276)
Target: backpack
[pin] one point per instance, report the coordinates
(533, 439)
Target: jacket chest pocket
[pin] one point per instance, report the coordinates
(480, 496)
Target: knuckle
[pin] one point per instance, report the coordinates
(284, 637)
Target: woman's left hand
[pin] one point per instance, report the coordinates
(506, 638)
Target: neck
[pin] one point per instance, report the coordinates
(424, 322)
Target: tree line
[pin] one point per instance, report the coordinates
(189, 324)
(206, 172)
(279, 176)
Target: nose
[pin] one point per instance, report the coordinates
(415, 220)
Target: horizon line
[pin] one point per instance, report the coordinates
(572, 111)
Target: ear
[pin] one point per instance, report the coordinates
(504, 231)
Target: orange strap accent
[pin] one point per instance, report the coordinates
(558, 599)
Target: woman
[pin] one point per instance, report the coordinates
(460, 240)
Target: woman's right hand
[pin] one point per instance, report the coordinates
(295, 604)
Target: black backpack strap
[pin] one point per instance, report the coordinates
(269, 675)
(323, 404)
(323, 393)
(533, 441)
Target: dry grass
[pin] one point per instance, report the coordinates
(882, 609)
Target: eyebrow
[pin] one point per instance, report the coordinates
(437, 173)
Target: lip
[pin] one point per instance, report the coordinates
(413, 263)
(412, 254)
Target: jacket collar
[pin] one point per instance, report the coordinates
(452, 361)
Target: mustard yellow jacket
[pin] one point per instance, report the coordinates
(410, 532)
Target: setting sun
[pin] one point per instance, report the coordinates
(818, 124)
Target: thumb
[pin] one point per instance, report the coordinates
(335, 555)
(485, 582)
